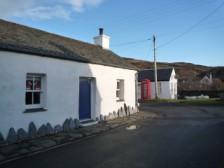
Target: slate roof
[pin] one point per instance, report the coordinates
(162, 74)
(23, 39)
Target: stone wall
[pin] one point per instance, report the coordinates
(69, 123)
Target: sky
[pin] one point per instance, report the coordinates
(186, 30)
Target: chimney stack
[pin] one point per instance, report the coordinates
(102, 40)
(210, 76)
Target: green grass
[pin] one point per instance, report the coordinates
(211, 101)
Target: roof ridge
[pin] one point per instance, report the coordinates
(158, 68)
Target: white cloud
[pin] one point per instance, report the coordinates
(80, 5)
(45, 9)
(44, 12)
(9, 7)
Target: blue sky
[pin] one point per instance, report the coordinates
(199, 24)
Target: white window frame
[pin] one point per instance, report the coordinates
(41, 91)
(120, 90)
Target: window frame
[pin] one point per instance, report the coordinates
(41, 91)
(119, 90)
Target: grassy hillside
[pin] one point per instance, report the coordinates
(184, 70)
(217, 72)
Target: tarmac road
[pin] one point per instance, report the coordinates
(180, 137)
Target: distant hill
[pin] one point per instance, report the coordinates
(184, 70)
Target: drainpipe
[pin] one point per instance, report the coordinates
(136, 91)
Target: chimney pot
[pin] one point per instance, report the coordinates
(101, 31)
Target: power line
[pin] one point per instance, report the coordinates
(192, 27)
(203, 27)
(148, 52)
(130, 43)
(150, 15)
(156, 15)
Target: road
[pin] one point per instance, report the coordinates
(180, 137)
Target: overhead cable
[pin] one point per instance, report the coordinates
(130, 43)
(192, 27)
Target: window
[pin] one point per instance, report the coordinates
(34, 91)
(120, 90)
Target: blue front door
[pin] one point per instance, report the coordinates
(84, 98)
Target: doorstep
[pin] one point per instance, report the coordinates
(88, 122)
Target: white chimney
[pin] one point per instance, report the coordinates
(210, 80)
(102, 40)
(210, 76)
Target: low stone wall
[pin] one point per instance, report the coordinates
(47, 129)
(33, 131)
(122, 112)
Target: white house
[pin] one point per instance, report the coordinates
(206, 80)
(166, 79)
(48, 78)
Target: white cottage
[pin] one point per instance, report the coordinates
(207, 80)
(47, 78)
(166, 79)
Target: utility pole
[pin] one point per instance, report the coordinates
(155, 68)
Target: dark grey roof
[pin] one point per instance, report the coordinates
(162, 74)
(23, 39)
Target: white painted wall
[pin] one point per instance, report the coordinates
(165, 94)
(173, 85)
(62, 89)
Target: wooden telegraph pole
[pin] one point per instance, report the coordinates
(155, 68)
